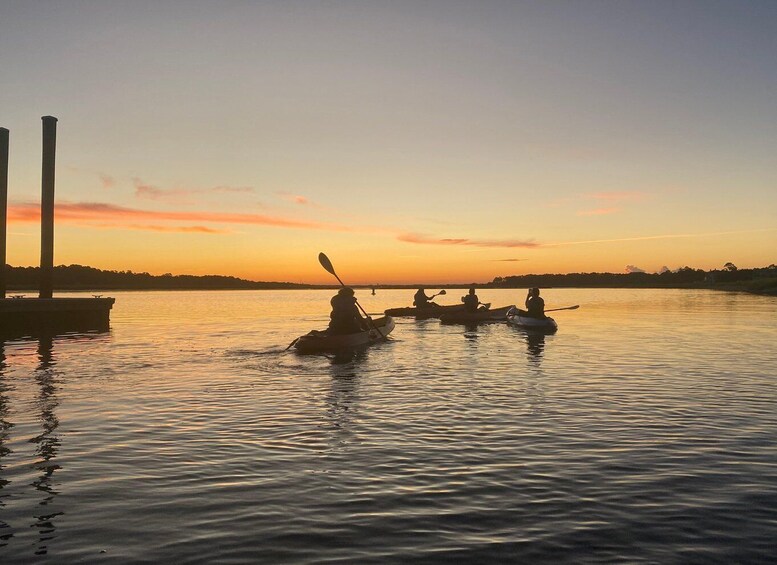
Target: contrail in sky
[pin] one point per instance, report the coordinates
(648, 237)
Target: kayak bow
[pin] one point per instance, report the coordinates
(544, 325)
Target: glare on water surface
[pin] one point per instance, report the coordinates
(643, 430)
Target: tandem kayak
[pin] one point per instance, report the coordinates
(321, 341)
(430, 312)
(544, 325)
(482, 315)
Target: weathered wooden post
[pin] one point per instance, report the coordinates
(3, 205)
(47, 207)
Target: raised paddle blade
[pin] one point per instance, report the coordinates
(326, 263)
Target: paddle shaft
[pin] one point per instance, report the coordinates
(575, 307)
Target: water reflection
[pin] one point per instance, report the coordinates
(341, 401)
(342, 397)
(48, 443)
(5, 425)
(535, 344)
(471, 331)
(535, 376)
(348, 357)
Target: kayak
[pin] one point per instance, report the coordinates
(319, 341)
(545, 325)
(431, 312)
(482, 315)
(426, 313)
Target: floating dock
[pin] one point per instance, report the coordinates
(37, 316)
(45, 315)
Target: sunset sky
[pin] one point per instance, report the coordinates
(410, 141)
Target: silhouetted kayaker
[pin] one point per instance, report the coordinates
(345, 317)
(420, 300)
(535, 306)
(471, 301)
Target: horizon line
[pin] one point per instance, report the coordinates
(377, 284)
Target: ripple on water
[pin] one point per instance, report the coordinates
(189, 434)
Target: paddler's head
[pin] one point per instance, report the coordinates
(345, 291)
(472, 290)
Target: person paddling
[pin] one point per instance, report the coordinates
(471, 301)
(345, 317)
(535, 305)
(420, 300)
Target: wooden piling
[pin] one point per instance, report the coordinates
(47, 207)
(3, 205)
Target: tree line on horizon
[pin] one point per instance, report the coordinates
(685, 276)
(79, 277)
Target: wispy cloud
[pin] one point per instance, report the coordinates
(95, 214)
(662, 236)
(509, 260)
(607, 201)
(106, 216)
(437, 221)
(165, 229)
(182, 195)
(150, 192)
(530, 244)
(597, 211)
(106, 180)
(301, 200)
(296, 198)
(426, 240)
(616, 196)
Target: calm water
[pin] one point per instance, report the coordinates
(645, 430)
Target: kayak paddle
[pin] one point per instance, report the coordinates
(575, 307)
(327, 264)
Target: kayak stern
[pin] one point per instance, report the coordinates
(321, 341)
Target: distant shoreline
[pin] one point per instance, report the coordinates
(31, 292)
(79, 278)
